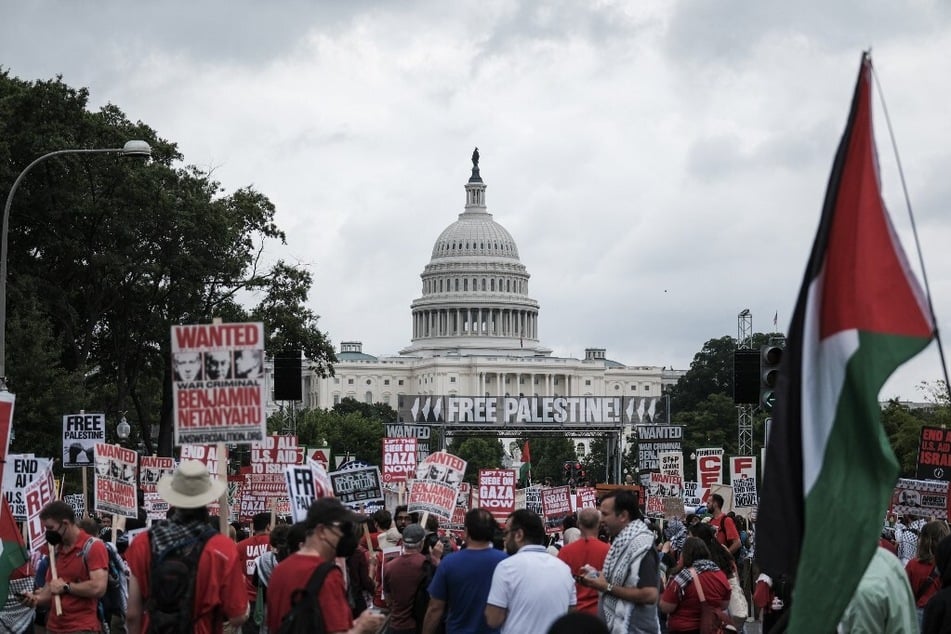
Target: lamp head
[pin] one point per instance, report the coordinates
(137, 148)
(123, 429)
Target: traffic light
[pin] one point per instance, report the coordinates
(770, 356)
(568, 468)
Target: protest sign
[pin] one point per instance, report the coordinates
(922, 498)
(77, 502)
(322, 484)
(742, 467)
(671, 463)
(654, 439)
(497, 492)
(270, 458)
(533, 498)
(744, 492)
(81, 432)
(156, 508)
(39, 493)
(205, 454)
(660, 488)
(301, 490)
(422, 434)
(556, 506)
(709, 468)
(320, 455)
(18, 472)
(218, 391)
(399, 459)
(151, 470)
(587, 497)
(726, 492)
(357, 486)
(436, 485)
(693, 496)
(116, 480)
(934, 454)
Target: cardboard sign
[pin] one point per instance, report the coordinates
(743, 478)
(497, 492)
(661, 488)
(218, 386)
(19, 471)
(77, 502)
(357, 486)
(437, 485)
(556, 506)
(671, 463)
(81, 432)
(151, 470)
(399, 459)
(693, 496)
(116, 480)
(742, 467)
(653, 440)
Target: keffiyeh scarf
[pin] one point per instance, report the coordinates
(683, 577)
(625, 555)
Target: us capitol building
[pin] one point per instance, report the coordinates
(475, 332)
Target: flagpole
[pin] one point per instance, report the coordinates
(914, 230)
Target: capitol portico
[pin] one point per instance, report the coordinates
(475, 331)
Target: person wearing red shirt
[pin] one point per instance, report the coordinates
(726, 527)
(922, 574)
(586, 550)
(220, 596)
(248, 551)
(333, 530)
(78, 583)
(681, 601)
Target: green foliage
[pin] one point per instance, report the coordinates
(347, 434)
(107, 253)
(479, 452)
(377, 411)
(549, 454)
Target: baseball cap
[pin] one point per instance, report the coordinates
(327, 511)
(413, 535)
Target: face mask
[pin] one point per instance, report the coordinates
(54, 538)
(347, 545)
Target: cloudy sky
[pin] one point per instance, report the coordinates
(660, 164)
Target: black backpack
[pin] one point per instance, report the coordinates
(305, 616)
(172, 585)
(421, 599)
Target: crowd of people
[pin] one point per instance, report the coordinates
(609, 570)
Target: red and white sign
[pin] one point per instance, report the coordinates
(270, 458)
(320, 455)
(671, 463)
(205, 454)
(742, 467)
(587, 497)
(151, 470)
(437, 484)
(556, 505)
(218, 387)
(660, 488)
(39, 493)
(116, 480)
(709, 469)
(399, 459)
(497, 492)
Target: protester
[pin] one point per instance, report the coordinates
(220, 597)
(586, 551)
(249, 550)
(401, 581)
(578, 623)
(630, 579)
(530, 589)
(937, 615)
(681, 598)
(332, 531)
(460, 588)
(79, 582)
(922, 573)
(263, 567)
(883, 602)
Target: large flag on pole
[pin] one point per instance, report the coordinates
(860, 314)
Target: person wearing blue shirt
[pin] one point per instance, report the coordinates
(460, 587)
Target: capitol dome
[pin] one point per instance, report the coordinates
(475, 289)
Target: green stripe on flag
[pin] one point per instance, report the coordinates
(846, 506)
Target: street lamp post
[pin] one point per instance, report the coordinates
(131, 148)
(123, 429)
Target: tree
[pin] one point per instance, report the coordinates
(549, 454)
(347, 434)
(110, 253)
(479, 452)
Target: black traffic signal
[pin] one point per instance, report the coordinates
(770, 356)
(568, 467)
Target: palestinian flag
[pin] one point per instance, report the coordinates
(13, 554)
(860, 314)
(525, 472)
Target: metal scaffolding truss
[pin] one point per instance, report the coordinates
(744, 413)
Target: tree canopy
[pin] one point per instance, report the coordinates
(106, 253)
